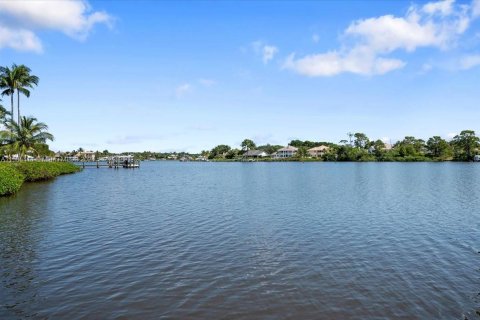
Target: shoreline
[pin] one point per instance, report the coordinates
(14, 174)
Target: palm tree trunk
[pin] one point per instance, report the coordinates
(18, 106)
(11, 101)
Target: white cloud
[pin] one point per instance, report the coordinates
(315, 38)
(444, 7)
(368, 42)
(74, 18)
(267, 51)
(183, 89)
(476, 8)
(334, 63)
(20, 39)
(470, 61)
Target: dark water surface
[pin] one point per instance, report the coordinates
(245, 241)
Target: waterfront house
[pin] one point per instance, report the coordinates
(476, 158)
(72, 158)
(86, 155)
(318, 151)
(255, 154)
(286, 152)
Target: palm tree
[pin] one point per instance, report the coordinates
(26, 81)
(9, 81)
(24, 137)
(3, 112)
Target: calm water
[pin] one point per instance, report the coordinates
(245, 241)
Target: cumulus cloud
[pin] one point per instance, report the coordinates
(19, 39)
(20, 20)
(369, 42)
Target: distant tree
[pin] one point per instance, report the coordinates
(248, 144)
(219, 151)
(268, 148)
(361, 140)
(343, 141)
(302, 152)
(466, 144)
(410, 147)
(438, 147)
(232, 153)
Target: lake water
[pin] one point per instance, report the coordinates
(245, 241)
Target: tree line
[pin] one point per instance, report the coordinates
(358, 147)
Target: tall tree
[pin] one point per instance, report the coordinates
(248, 144)
(361, 140)
(26, 81)
(438, 147)
(467, 143)
(9, 82)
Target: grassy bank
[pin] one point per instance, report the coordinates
(14, 174)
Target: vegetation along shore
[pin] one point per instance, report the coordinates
(23, 138)
(14, 174)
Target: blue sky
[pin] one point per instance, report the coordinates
(186, 76)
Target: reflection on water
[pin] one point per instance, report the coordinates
(245, 240)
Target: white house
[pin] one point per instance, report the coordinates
(255, 154)
(318, 151)
(86, 155)
(476, 158)
(286, 152)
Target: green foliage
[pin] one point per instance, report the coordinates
(248, 144)
(268, 148)
(38, 171)
(219, 151)
(26, 136)
(302, 152)
(439, 148)
(10, 179)
(411, 147)
(361, 140)
(308, 144)
(465, 144)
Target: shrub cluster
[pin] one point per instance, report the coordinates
(13, 174)
(10, 179)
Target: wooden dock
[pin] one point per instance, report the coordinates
(109, 164)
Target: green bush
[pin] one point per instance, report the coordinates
(38, 171)
(13, 174)
(10, 179)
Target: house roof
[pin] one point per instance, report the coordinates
(319, 148)
(288, 148)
